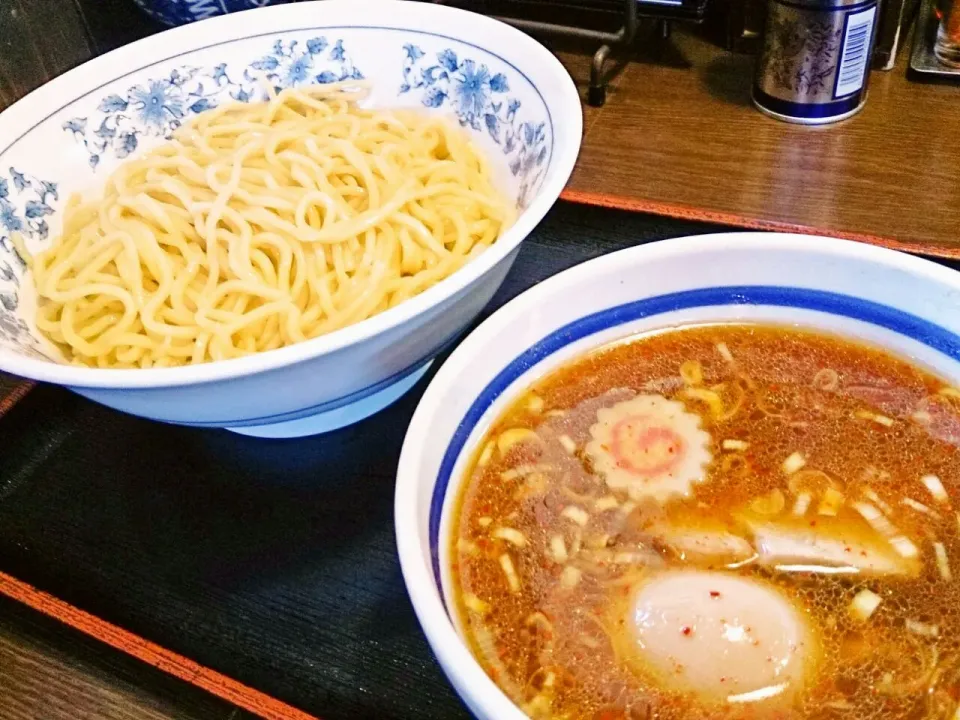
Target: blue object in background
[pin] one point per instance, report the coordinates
(181, 12)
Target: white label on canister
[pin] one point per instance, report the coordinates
(856, 52)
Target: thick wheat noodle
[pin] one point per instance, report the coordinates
(265, 224)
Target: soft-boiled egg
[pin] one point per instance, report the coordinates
(720, 637)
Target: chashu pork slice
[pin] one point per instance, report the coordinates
(701, 541)
(843, 545)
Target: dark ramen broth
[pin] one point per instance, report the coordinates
(801, 483)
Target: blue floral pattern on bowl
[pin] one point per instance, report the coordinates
(480, 100)
(159, 106)
(25, 202)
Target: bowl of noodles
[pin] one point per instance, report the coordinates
(712, 477)
(272, 221)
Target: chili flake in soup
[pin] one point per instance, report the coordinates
(730, 521)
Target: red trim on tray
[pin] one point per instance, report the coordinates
(159, 657)
(15, 396)
(685, 212)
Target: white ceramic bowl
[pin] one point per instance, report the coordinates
(513, 96)
(908, 305)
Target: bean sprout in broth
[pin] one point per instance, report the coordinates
(728, 521)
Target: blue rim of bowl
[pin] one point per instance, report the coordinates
(900, 322)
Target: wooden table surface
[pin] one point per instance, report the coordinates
(50, 672)
(680, 137)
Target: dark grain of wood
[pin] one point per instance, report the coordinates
(112, 23)
(38, 41)
(49, 672)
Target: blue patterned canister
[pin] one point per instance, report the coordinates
(816, 59)
(181, 12)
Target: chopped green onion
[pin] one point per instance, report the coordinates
(486, 453)
(466, 547)
(904, 547)
(513, 580)
(923, 629)
(475, 604)
(735, 445)
(874, 417)
(570, 577)
(933, 484)
(878, 501)
(558, 549)
(919, 507)
(802, 504)
(576, 514)
(607, 502)
(511, 535)
(943, 564)
(864, 604)
(793, 463)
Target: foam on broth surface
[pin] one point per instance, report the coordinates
(825, 506)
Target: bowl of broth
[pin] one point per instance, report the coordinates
(715, 476)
